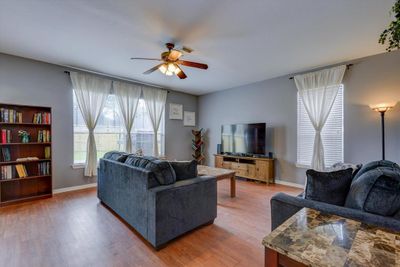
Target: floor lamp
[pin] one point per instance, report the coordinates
(382, 108)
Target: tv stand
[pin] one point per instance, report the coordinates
(254, 168)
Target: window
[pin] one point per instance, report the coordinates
(110, 131)
(332, 134)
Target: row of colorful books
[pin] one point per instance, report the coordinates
(10, 171)
(6, 155)
(44, 168)
(43, 136)
(10, 115)
(42, 118)
(6, 136)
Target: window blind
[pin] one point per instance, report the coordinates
(332, 134)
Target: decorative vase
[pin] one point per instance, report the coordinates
(25, 139)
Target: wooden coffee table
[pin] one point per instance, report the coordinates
(220, 174)
(311, 238)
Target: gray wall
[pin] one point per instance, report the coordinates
(24, 81)
(371, 80)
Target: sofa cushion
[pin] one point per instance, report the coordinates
(343, 166)
(116, 155)
(376, 191)
(161, 169)
(328, 187)
(184, 169)
(375, 164)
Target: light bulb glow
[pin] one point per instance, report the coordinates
(171, 67)
(382, 107)
(169, 73)
(163, 68)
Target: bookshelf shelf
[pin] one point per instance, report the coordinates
(25, 124)
(23, 162)
(37, 183)
(24, 178)
(25, 144)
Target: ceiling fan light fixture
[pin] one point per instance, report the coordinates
(163, 68)
(169, 73)
(171, 67)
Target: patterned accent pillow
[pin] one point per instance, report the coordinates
(343, 166)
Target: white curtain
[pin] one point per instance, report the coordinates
(318, 92)
(155, 102)
(91, 94)
(128, 96)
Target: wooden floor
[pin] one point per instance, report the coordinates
(74, 229)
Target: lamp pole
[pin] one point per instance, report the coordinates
(383, 132)
(382, 108)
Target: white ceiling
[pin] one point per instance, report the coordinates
(241, 41)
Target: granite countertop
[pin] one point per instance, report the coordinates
(317, 239)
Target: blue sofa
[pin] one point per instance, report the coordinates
(145, 193)
(373, 198)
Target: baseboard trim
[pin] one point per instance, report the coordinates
(289, 184)
(73, 188)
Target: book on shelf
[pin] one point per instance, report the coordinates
(5, 136)
(5, 151)
(21, 171)
(10, 116)
(7, 172)
(44, 168)
(27, 159)
(43, 136)
(42, 118)
(47, 152)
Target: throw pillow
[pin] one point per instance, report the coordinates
(113, 155)
(375, 164)
(376, 191)
(328, 187)
(184, 169)
(161, 169)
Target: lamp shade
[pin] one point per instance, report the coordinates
(382, 107)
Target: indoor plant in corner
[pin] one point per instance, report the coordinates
(392, 33)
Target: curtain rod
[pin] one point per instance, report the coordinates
(133, 81)
(348, 67)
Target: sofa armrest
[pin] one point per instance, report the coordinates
(283, 206)
(177, 208)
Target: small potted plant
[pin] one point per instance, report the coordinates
(24, 135)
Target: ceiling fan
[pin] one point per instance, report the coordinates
(171, 61)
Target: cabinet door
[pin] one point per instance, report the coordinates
(261, 169)
(218, 162)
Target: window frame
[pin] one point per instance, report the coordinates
(79, 164)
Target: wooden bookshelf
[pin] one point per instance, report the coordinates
(36, 185)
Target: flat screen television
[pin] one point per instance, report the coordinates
(243, 138)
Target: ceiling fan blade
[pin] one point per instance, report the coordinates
(174, 55)
(187, 49)
(153, 69)
(145, 58)
(180, 74)
(193, 64)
